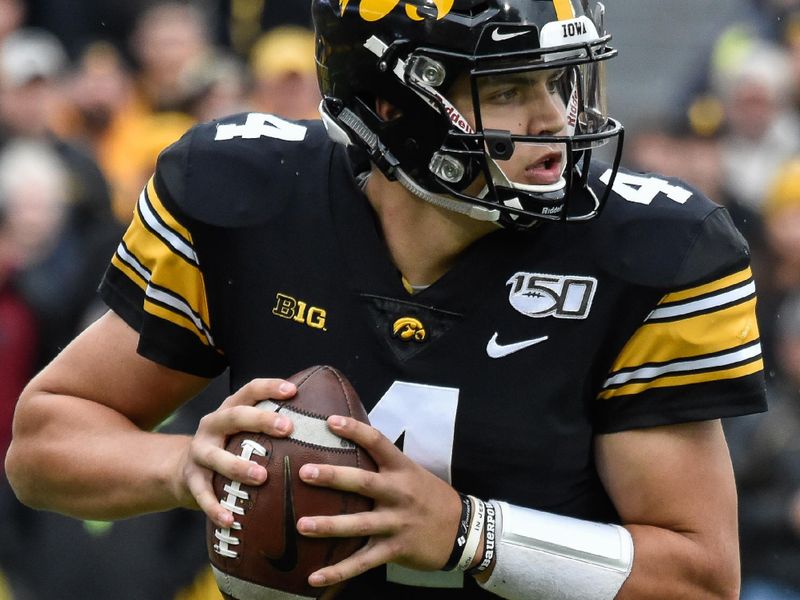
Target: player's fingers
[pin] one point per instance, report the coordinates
(368, 557)
(229, 420)
(348, 479)
(228, 465)
(200, 487)
(373, 441)
(363, 524)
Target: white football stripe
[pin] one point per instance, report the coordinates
(246, 590)
(686, 366)
(309, 430)
(703, 304)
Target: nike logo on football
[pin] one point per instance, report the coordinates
(495, 350)
(501, 37)
(288, 560)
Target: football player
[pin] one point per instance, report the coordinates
(545, 342)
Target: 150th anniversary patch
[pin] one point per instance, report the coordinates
(543, 295)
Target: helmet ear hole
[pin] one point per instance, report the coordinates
(499, 144)
(447, 167)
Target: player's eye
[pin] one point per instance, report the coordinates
(504, 94)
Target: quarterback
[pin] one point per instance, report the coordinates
(545, 342)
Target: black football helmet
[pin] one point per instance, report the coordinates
(411, 54)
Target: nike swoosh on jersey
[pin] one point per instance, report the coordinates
(495, 350)
(501, 37)
(288, 560)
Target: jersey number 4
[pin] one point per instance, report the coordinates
(262, 125)
(424, 416)
(643, 190)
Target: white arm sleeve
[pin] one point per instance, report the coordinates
(550, 557)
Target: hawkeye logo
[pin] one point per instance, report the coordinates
(298, 311)
(409, 329)
(375, 10)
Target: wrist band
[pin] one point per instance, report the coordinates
(489, 537)
(461, 534)
(475, 534)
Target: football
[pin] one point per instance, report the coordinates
(263, 549)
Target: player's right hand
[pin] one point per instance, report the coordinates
(206, 453)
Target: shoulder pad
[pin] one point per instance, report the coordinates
(660, 232)
(241, 170)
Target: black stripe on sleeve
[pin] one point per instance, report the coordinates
(681, 404)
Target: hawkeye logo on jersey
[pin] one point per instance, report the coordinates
(543, 295)
(409, 329)
(298, 311)
(375, 10)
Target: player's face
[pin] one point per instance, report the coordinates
(528, 103)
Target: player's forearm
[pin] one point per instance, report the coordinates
(669, 564)
(86, 460)
(544, 555)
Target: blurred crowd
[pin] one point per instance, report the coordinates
(90, 92)
(737, 137)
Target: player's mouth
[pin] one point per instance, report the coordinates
(546, 170)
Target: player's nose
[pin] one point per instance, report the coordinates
(546, 116)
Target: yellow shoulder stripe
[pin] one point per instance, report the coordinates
(703, 334)
(708, 288)
(693, 336)
(168, 269)
(164, 267)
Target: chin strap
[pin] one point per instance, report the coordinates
(354, 126)
(479, 213)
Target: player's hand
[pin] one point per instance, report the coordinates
(206, 453)
(415, 515)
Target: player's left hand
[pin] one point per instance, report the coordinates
(415, 515)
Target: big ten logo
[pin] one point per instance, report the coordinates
(375, 10)
(542, 295)
(298, 311)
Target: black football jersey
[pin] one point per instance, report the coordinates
(253, 248)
